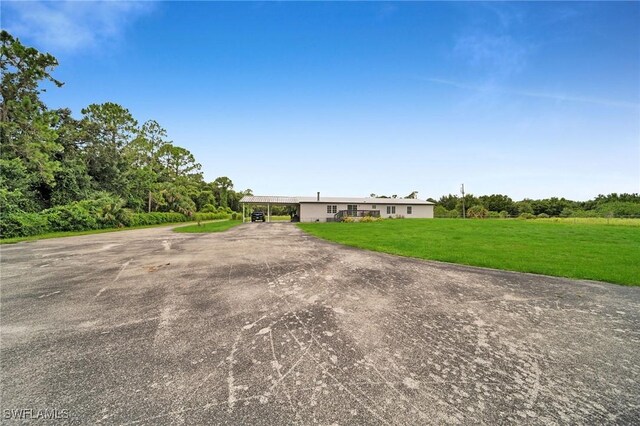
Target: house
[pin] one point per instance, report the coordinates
(329, 209)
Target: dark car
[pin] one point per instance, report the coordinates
(258, 216)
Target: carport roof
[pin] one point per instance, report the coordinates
(251, 199)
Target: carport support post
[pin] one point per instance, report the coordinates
(242, 212)
(268, 212)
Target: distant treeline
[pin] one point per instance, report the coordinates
(103, 169)
(498, 205)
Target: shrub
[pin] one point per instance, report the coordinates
(155, 218)
(440, 211)
(235, 216)
(370, 219)
(494, 215)
(211, 216)
(208, 208)
(109, 210)
(477, 212)
(526, 216)
(21, 224)
(619, 209)
(503, 214)
(543, 216)
(566, 212)
(71, 217)
(348, 219)
(453, 214)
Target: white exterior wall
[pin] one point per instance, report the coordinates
(313, 212)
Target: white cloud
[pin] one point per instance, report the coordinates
(498, 55)
(533, 94)
(71, 25)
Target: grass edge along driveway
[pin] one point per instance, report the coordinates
(607, 253)
(217, 226)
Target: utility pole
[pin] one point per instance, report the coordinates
(464, 211)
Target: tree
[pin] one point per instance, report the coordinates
(449, 202)
(23, 69)
(72, 181)
(413, 195)
(524, 207)
(222, 186)
(179, 163)
(144, 149)
(498, 202)
(107, 129)
(26, 126)
(469, 200)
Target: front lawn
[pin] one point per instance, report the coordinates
(575, 250)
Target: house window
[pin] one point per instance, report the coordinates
(391, 209)
(409, 209)
(352, 209)
(332, 209)
(373, 206)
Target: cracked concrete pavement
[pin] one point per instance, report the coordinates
(263, 324)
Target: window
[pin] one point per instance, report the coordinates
(332, 209)
(373, 206)
(391, 209)
(409, 209)
(352, 209)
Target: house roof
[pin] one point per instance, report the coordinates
(251, 199)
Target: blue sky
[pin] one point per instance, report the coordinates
(525, 99)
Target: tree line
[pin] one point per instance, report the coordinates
(58, 172)
(498, 205)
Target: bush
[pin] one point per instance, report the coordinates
(208, 208)
(370, 219)
(348, 219)
(234, 216)
(543, 216)
(503, 214)
(566, 212)
(155, 218)
(211, 216)
(21, 224)
(71, 217)
(477, 212)
(494, 215)
(109, 210)
(526, 216)
(440, 211)
(619, 209)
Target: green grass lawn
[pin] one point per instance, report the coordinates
(576, 250)
(218, 226)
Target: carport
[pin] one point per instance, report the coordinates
(268, 201)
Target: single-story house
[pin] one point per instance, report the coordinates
(329, 209)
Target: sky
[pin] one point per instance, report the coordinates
(531, 100)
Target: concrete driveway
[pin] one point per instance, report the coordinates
(264, 324)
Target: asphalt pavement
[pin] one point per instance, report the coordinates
(263, 324)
